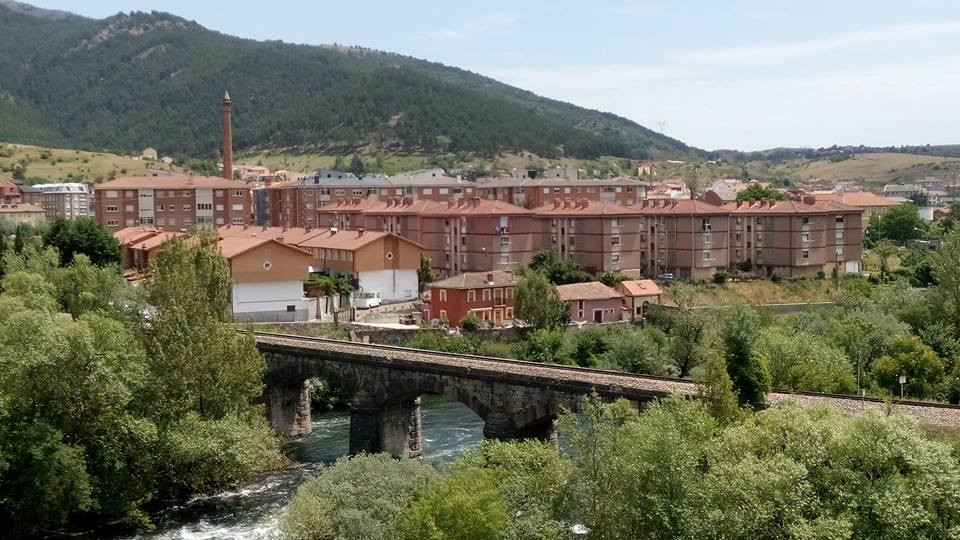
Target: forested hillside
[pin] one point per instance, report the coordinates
(137, 80)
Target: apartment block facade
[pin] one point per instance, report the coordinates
(66, 200)
(172, 202)
(797, 238)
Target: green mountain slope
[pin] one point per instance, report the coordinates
(139, 80)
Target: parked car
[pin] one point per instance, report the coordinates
(666, 276)
(367, 300)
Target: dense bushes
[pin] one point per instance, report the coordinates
(110, 405)
(672, 471)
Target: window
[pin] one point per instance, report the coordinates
(566, 190)
(129, 207)
(340, 192)
(204, 219)
(509, 313)
(291, 308)
(839, 219)
(805, 254)
(443, 314)
(187, 221)
(504, 258)
(471, 295)
(357, 193)
(187, 208)
(173, 221)
(486, 294)
(706, 255)
(615, 258)
(806, 236)
(129, 194)
(159, 208)
(113, 209)
(806, 221)
(236, 207)
(237, 221)
(546, 190)
(204, 206)
(172, 207)
(219, 208)
(614, 222)
(111, 194)
(113, 223)
(614, 240)
(219, 221)
(427, 191)
(508, 292)
(218, 193)
(238, 193)
(443, 295)
(443, 191)
(130, 223)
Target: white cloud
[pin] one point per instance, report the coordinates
(891, 104)
(487, 23)
(778, 53)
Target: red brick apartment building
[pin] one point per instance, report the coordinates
(684, 237)
(459, 235)
(797, 238)
(486, 295)
(172, 202)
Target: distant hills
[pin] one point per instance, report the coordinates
(137, 80)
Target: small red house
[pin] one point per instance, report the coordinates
(592, 302)
(486, 295)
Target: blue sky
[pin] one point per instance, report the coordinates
(732, 74)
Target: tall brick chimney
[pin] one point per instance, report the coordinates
(226, 119)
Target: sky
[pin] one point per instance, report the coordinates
(742, 74)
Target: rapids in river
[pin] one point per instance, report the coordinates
(252, 511)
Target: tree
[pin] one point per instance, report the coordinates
(536, 303)
(800, 361)
(197, 361)
(357, 166)
(338, 164)
(909, 356)
(900, 223)
(557, 271)
(689, 333)
(756, 192)
(545, 345)
(82, 235)
(357, 497)
(21, 237)
(465, 505)
(425, 271)
(747, 368)
(716, 390)
(946, 271)
(643, 351)
(611, 278)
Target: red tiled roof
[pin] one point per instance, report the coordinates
(592, 290)
(641, 287)
(348, 240)
(20, 207)
(171, 182)
(787, 207)
(293, 235)
(231, 247)
(583, 207)
(860, 199)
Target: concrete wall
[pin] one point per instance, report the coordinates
(268, 301)
(393, 285)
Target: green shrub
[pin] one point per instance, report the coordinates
(358, 497)
(720, 277)
(470, 323)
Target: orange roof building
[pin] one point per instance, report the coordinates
(592, 302)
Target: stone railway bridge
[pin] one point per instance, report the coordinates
(515, 399)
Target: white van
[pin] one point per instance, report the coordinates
(367, 300)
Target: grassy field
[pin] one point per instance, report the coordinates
(762, 292)
(58, 165)
(873, 170)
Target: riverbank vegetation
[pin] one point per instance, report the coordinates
(672, 471)
(113, 396)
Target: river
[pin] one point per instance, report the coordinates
(252, 511)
